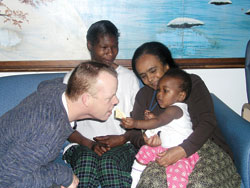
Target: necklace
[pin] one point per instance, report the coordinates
(151, 106)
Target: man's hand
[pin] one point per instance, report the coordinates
(153, 141)
(171, 156)
(111, 140)
(100, 148)
(74, 183)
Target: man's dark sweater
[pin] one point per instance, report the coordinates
(32, 135)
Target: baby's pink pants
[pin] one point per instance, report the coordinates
(177, 173)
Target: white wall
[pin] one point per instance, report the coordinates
(228, 84)
(16, 73)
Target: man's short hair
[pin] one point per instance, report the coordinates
(84, 77)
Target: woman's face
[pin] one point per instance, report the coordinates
(105, 51)
(150, 69)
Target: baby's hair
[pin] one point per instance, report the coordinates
(186, 84)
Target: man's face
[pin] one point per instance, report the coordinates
(105, 51)
(104, 99)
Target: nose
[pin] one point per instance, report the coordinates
(158, 96)
(150, 78)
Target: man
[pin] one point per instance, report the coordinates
(33, 132)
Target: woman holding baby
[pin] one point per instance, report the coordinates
(150, 61)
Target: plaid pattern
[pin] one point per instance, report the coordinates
(112, 169)
(83, 162)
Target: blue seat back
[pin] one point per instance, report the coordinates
(236, 131)
(247, 70)
(15, 88)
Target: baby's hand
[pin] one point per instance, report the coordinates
(128, 123)
(153, 141)
(148, 115)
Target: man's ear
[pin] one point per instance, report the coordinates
(85, 99)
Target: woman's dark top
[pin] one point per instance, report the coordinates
(201, 109)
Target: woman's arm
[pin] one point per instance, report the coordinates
(202, 115)
(141, 103)
(78, 138)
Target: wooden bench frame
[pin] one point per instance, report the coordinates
(66, 65)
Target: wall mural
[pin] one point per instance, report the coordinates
(56, 29)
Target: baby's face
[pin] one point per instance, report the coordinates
(169, 91)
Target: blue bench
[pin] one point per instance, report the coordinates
(235, 129)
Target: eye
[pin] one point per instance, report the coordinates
(165, 90)
(143, 76)
(153, 70)
(109, 99)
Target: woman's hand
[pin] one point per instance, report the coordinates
(171, 156)
(111, 140)
(153, 141)
(100, 148)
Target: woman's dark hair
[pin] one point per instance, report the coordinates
(182, 75)
(101, 28)
(154, 48)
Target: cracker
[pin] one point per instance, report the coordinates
(119, 114)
